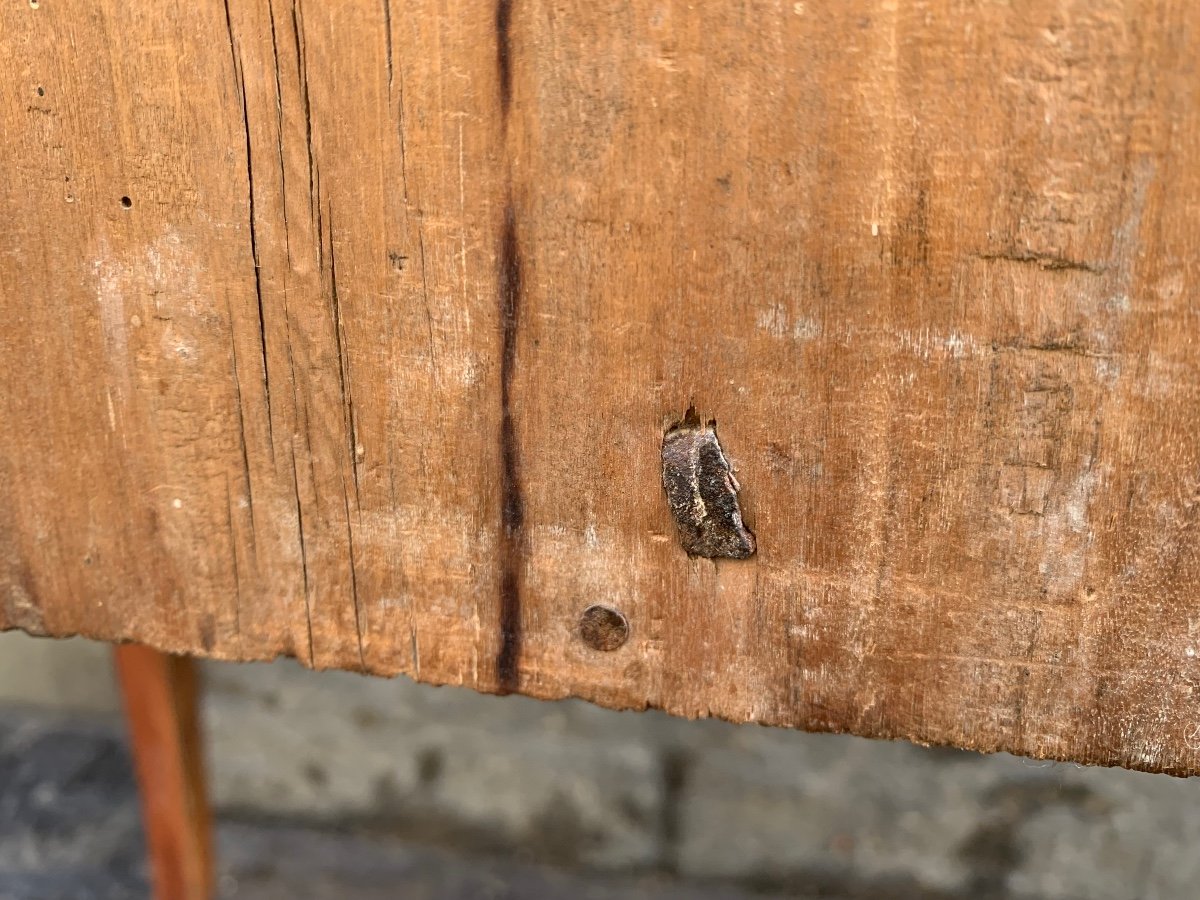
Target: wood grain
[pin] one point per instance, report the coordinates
(375, 368)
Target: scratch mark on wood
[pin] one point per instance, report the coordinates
(436, 372)
(1071, 345)
(1051, 262)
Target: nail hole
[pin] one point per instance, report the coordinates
(603, 628)
(126, 202)
(41, 92)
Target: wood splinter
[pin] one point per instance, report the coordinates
(702, 491)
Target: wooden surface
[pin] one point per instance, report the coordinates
(373, 363)
(160, 693)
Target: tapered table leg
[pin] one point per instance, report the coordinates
(160, 692)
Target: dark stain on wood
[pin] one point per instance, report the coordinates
(503, 50)
(512, 508)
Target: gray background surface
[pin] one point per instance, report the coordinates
(331, 784)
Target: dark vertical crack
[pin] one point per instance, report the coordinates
(387, 25)
(239, 74)
(302, 78)
(320, 218)
(503, 52)
(232, 43)
(351, 426)
(344, 382)
(358, 619)
(358, 623)
(287, 330)
(287, 240)
(237, 390)
(258, 293)
(403, 146)
(512, 510)
(237, 575)
(303, 558)
(237, 381)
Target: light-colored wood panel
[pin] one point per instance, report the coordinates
(375, 367)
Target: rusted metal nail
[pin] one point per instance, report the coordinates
(603, 628)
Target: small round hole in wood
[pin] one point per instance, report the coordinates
(603, 628)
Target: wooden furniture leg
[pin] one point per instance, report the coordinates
(161, 706)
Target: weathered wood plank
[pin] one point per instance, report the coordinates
(375, 366)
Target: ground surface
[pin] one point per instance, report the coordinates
(69, 830)
(332, 785)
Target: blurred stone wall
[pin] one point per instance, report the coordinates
(592, 789)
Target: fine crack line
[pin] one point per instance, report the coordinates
(303, 557)
(237, 576)
(344, 379)
(387, 24)
(302, 78)
(237, 382)
(258, 293)
(345, 384)
(358, 623)
(287, 238)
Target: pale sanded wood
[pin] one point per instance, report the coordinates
(373, 366)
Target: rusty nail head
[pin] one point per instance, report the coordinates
(603, 628)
